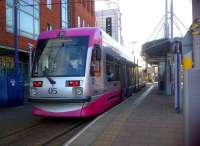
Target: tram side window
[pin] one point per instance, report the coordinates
(95, 66)
(112, 69)
(132, 75)
(129, 75)
(117, 77)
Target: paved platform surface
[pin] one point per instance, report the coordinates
(145, 119)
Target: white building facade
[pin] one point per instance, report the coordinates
(110, 21)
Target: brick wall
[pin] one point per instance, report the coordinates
(50, 16)
(84, 10)
(2, 20)
(47, 16)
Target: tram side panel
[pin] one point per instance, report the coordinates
(104, 80)
(112, 76)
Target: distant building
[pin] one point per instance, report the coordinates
(36, 16)
(109, 21)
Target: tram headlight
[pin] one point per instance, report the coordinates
(34, 91)
(78, 91)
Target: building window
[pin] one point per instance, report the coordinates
(84, 3)
(78, 21)
(49, 27)
(109, 25)
(88, 5)
(92, 7)
(49, 4)
(64, 12)
(28, 14)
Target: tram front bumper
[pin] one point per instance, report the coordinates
(60, 99)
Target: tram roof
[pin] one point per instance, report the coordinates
(69, 32)
(89, 31)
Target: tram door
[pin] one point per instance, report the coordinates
(123, 79)
(112, 73)
(96, 70)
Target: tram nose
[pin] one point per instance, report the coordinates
(62, 87)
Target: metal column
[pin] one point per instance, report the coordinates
(192, 80)
(177, 60)
(16, 43)
(191, 107)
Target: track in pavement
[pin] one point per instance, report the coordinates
(45, 133)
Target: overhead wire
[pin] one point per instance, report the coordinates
(176, 24)
(156, 28)
(59, 3)
(159, 30)
(180, 22)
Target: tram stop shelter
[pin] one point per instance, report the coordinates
(164, 53)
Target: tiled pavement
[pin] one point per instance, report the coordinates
(142, 120)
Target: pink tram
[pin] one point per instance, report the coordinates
(79, 72)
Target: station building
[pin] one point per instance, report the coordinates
(35, 16)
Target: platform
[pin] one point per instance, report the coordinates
(147, 118)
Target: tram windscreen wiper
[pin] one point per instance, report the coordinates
(46, 74)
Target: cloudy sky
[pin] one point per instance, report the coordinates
(140, 17)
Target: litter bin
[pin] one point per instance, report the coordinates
(11, 90)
